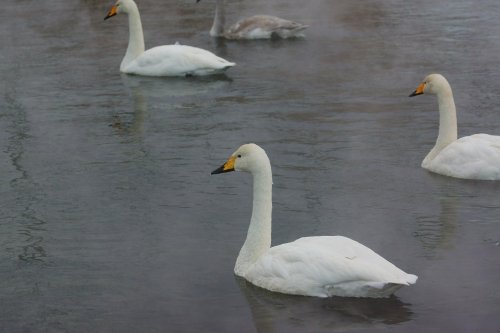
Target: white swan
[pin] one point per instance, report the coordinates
(471, 157)
(319, 266)
(254, 27)
(165, 60)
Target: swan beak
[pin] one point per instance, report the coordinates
(419, 90)
(112, 12)
(226, 167)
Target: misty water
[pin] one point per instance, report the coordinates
(111, 222)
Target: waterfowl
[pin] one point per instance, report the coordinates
(321, 266)
(254, 27)
(165, 60)
(470, 157)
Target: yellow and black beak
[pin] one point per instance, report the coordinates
(419, 90)
(112, 12)
(226, 167)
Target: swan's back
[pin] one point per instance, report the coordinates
(471, 157)
(177, 60)
(264, 26)
(327, 266)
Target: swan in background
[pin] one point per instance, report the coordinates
(165, 60)
(471, 157)
(254, 27)
(319, 266)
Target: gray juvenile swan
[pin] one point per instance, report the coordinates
(254, 27)
(319, 266)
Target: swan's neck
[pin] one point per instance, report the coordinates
(136, 38)
(219, 20)
(447, 123)
(258, 239)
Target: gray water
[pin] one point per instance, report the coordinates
(111, 222)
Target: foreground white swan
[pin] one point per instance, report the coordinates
(320, 266)
(165, 60)
(471, 157)
(254, 27)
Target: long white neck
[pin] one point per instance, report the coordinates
(258, 239)
(447, 123)
(217, 29)
(136, 38)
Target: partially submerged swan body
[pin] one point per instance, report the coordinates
(320, 266)
(254, 27)
(471, 157)
(165, 60)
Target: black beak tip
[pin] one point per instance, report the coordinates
(413, 94)
(221, 169)
(218, 170)
(108, 16)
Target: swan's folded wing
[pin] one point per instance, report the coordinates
(177, 60)
(325, 266)
(471, 157)
(263, 26)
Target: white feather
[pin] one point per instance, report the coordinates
(319, 266)
(166, 60)
(176, 60)
(471, 157)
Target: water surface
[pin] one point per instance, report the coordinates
(111, 222)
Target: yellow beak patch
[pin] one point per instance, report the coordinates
(419, 90)
(229, 165)
(112, 12)
(226, 167)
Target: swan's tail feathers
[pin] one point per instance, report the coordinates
(411, 279)
(300, 27)
(296, 30)
(229, 65)
(226, 65)
(374, 289)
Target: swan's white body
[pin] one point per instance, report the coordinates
(471, 157)
(254, 27)
(165, 60)
(320, 266)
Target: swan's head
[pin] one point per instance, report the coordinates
(121, 6)
(432, 84)
(249, 157)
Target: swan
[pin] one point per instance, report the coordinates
(165, 60)
(471, 157)
(320, 266)
(254, 27)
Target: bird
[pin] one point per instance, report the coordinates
(470, 157)
(320, 266)
(164, 60)
(254, 27)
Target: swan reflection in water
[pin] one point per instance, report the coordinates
(178, 93)
(276, 312)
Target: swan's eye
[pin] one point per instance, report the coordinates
(239, 156)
